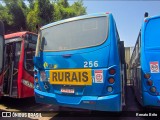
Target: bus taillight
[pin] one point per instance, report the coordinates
(35, 76)
(149, 82)
(109, 88)
(112, 71)
(36, 79)
(147, 75)
(145, 20)
(153, 89)
(35, 72)
(111, 80)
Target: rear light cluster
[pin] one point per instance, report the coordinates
(35, 76)
(36, 80)
(153, 89)
(112, 71)
(109, 88)
(149, 82)
(43, 77)
(111, 79)
(147, 75)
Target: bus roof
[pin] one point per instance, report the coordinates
(150, 18)
(75, 18)
(16, 34)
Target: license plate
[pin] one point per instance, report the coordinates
(71, 77)
(67, 90)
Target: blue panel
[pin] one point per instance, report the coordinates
(104, 103)
(151, 100)
(77, 58)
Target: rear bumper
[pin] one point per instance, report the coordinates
(151, 100)
(104, 103)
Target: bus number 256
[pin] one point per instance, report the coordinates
(90, 64)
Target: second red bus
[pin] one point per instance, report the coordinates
(18, 64)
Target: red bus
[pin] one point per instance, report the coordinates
(1, 55)
(18, 64)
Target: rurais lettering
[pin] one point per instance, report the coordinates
(85, 77)
(70, 76)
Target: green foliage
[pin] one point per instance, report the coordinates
(31, 4)
(78, 8)
(13, 15)
(62, 10)
(17, 15)
(33, 17)
(4, 16)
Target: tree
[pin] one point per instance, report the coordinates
(42, 14)
(63, 10)
(31, 4)
(78, 8)
(33, 18)
(16, 14)
(46, 11)
(4, 16)
(64, 3)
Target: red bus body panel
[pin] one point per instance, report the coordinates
(17, 34)
(22, 89)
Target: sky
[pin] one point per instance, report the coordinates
(128, 15)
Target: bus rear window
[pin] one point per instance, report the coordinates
(76, 34)
(31, 38)
(152, 34)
